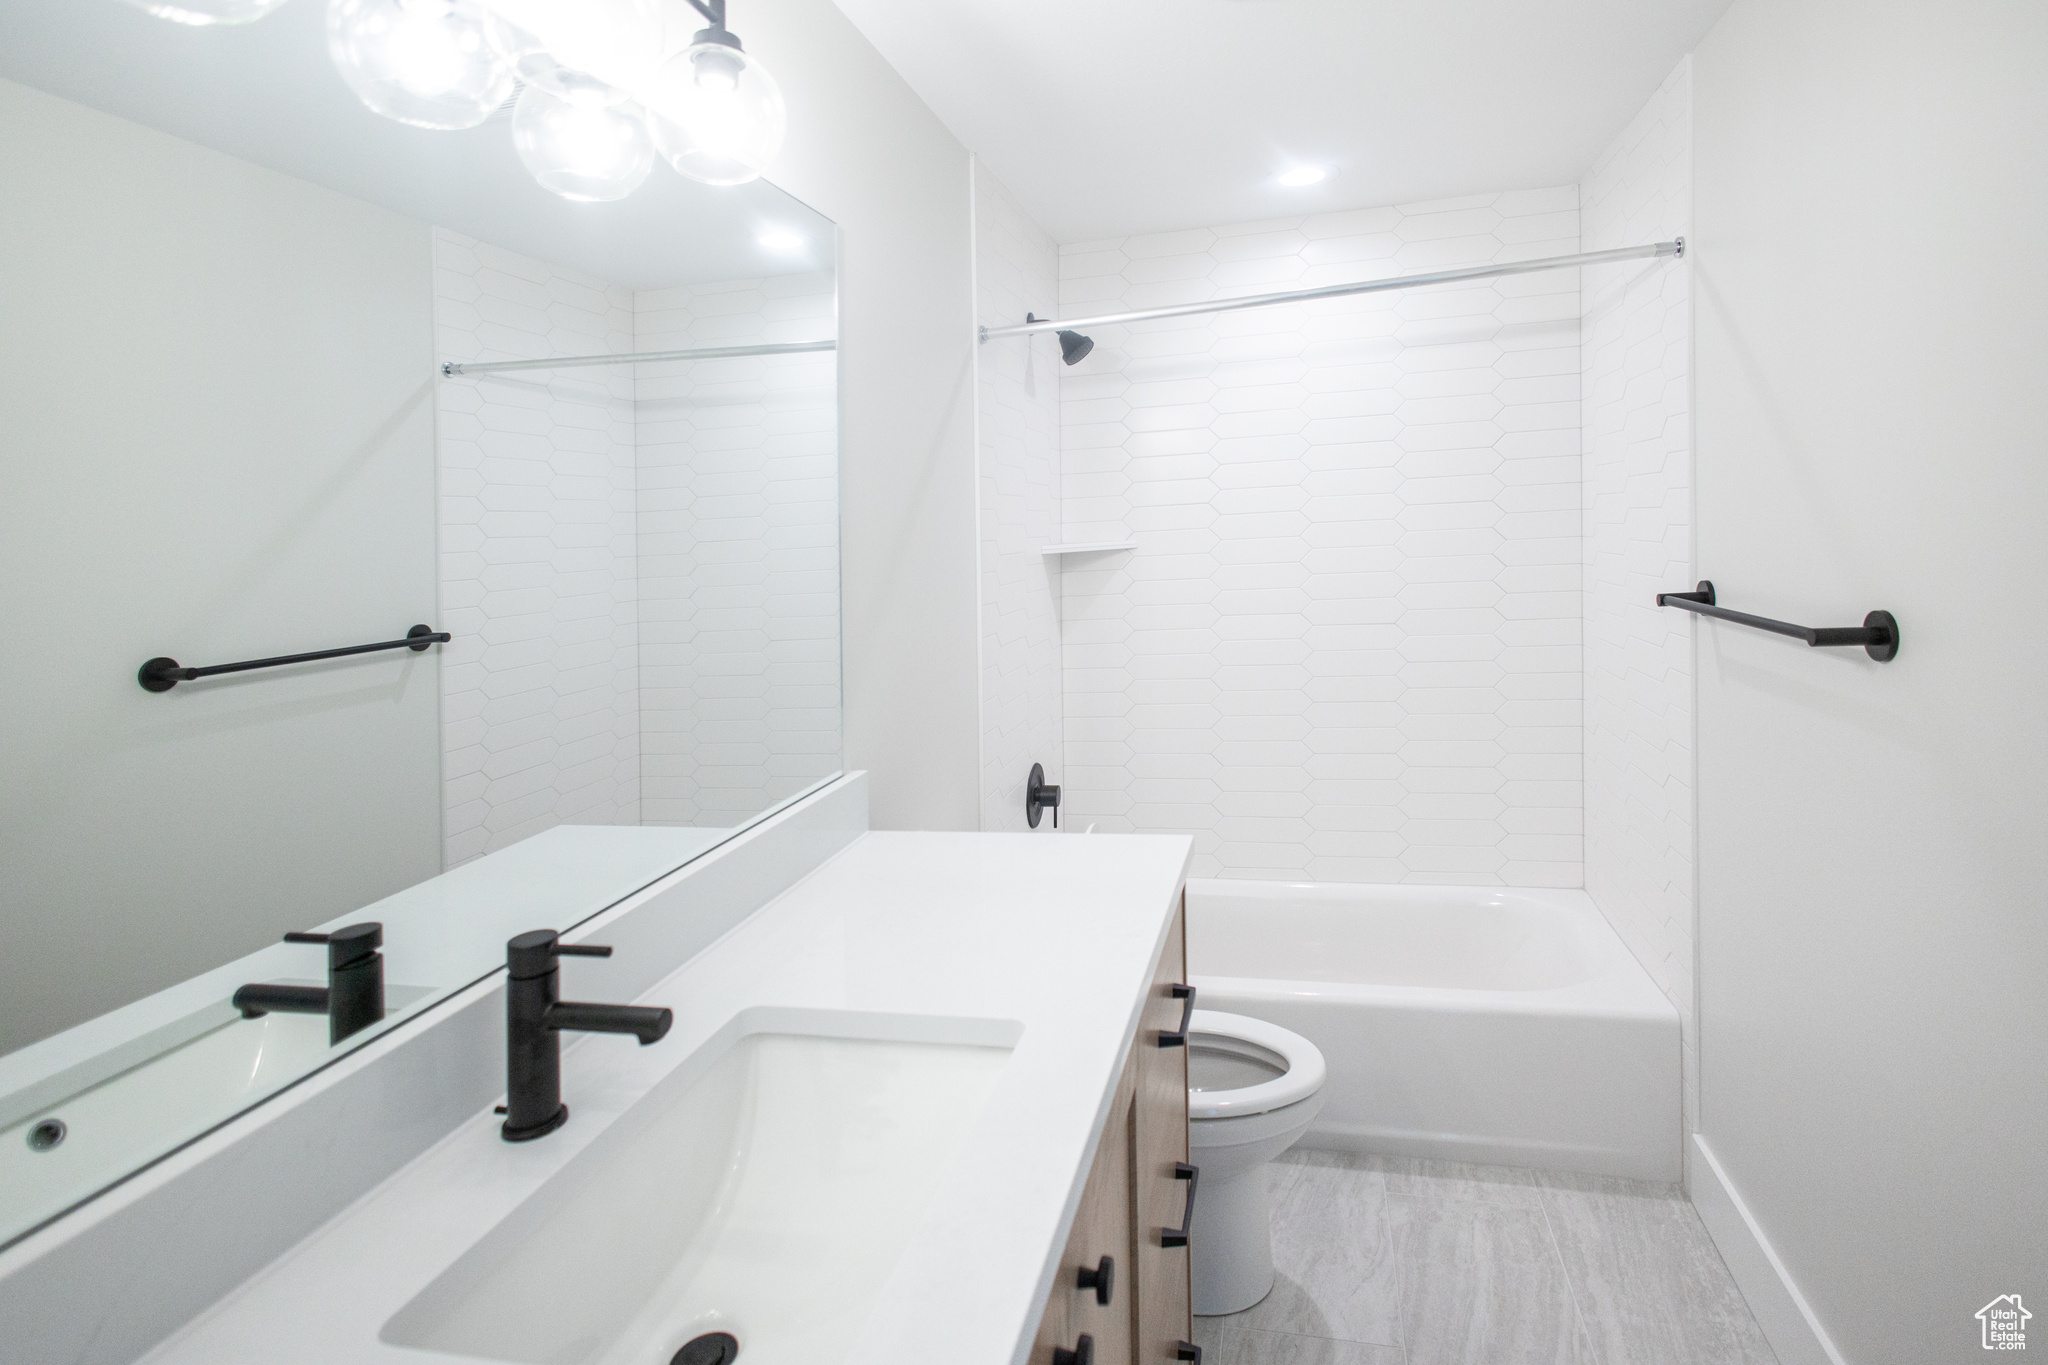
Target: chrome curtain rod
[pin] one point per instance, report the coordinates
(455, 367)
(1332, 291)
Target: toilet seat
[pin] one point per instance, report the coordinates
(1303, 1061)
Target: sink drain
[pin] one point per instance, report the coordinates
(713, 1348)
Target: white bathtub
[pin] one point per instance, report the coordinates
(1468, 1022)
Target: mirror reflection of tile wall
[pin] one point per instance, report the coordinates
(739, 550)
(640, 565)
(540, 686)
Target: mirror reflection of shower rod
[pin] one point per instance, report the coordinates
(1675, 247)
(452, 368)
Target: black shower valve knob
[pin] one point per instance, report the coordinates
(1039, 797)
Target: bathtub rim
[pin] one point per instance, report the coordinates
(1620, 988)
(1600, 998)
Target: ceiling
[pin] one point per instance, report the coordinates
(267, 93)
(1111, 117)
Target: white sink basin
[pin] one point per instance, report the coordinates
(766, 1188)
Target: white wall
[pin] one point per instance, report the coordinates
(1348, 645)
(1637, 354)
(864, 151)
(1870, 293)
(1016, 266)
(538, 571)
(218, 445)
(739, 550)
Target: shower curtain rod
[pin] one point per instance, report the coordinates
(455, 367)
(1331, 291)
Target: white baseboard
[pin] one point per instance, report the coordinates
(1774, 1300)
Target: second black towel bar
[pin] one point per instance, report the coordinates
(1879, 633)
(161, 674)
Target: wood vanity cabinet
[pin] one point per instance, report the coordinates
(1134, 1193)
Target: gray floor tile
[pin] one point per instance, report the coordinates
(1482, 1284)
(1650, 1285)
(1395, 1261)
(1212, 1335)
(1463, 1180)
(1608, 1184)
(1279, 1348)
(1333, 1259)
(1336, 1161)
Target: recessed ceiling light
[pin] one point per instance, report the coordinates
(776, 240)
(1299, 176)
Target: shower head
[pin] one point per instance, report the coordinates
(1072, 344)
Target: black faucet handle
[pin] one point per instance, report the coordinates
(347, 945)
(533, 953)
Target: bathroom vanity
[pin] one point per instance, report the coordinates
(1122, 1280)
(903, 1105)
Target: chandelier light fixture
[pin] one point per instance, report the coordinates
(600, 89)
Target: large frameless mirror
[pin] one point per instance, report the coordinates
(283, 378)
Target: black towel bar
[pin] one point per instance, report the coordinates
(161, 674)
(1879, 633)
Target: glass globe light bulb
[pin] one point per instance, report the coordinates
(716, 113)
(591, 152)
(423, 62)
(716, 67)
(201, 12)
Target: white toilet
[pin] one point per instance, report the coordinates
(1253, 1090)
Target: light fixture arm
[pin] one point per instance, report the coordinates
(713, 13)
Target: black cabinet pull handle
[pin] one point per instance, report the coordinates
(1102, 1279)
(1187, 1350)
(1178, 1237)
(1187, 1017)
(1082, 1354)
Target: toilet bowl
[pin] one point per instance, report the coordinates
(1253, 1090)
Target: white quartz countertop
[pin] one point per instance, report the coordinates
(1055, 933)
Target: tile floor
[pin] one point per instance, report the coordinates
(1388, 1261)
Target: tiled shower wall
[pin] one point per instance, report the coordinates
(1017, 396)
(1347, 647)
(739, 546)
(1638, 542)
(540, 698)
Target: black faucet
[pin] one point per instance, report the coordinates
(535, 1015)
(353, 998)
